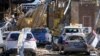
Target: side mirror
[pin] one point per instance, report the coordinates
(4, 38)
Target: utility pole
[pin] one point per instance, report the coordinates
(10, 6)
(48, 5)
(98, 2)
(47, 20)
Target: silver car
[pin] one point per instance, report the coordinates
(75, 44)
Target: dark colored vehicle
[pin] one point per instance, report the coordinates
(42, 35)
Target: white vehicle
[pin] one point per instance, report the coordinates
(1, 40)
(77, 29)
(5, 34)
(29, 44)
(70, 30)
(28, 6)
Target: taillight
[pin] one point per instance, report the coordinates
(32, 39)
(65, 42)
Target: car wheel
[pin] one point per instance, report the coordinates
(67, 54)
(33, 54)
(87, 53)
(29, 54)
(12, 54)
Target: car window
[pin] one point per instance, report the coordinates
(14, 36)
(72, 30)
(75, 38)
(5, 34)
(29, 36)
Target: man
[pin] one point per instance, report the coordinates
(60, 43)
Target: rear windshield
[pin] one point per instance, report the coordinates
(72, 30)
(14, 36)
(75, 38)
(29, 36)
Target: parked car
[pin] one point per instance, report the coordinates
(75, 44)
(29, 44)
(1, 40)
(78, 43)
(42, 35)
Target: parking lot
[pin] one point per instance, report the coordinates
(44, 52)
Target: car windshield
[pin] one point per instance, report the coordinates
(72, 30)
(14, 36)
(75, 38)
(39, 31)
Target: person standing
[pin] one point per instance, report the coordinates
(60, 43)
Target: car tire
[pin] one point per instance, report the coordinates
(29, 54)
(67, 54)
(87, 53)
(33, 54)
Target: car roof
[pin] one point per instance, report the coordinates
(15, 31)
(18, 32)
(71, 27)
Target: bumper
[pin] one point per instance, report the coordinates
(2, 45)
(75, 50)
(25, 50)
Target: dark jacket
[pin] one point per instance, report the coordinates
(60, 40)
